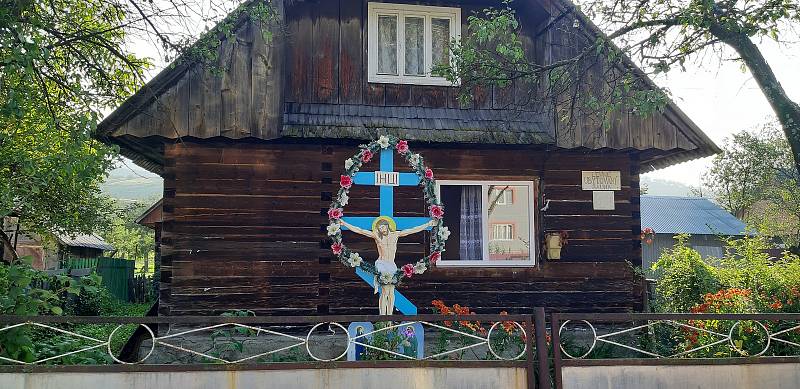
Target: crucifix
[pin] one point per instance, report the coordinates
(386, 178)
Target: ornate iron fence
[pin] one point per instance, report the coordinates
(586, 339)
(270, 342)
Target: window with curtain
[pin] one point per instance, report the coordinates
(491, 223)
(405, 42)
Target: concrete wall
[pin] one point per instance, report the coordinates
(743, 376)
(339, 378)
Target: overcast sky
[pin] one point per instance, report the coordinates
(716, 94)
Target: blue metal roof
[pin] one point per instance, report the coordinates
(690, 215)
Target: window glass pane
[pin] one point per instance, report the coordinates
(415, 46)
(466, 225)
(387, 44)
(510, 233)
(440, 29)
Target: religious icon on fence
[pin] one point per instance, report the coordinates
(385, 229)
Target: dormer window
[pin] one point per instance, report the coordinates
(407, 41)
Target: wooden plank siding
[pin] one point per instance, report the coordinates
(244, 229)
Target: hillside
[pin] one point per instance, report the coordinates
(129, 182)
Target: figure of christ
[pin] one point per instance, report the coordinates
(385, 236)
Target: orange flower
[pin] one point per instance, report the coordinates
(776, 305)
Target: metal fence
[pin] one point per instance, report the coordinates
(636, 339)
(286, 342)
(117, 274)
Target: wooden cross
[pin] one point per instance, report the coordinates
(387, 179)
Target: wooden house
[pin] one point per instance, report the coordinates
(250, 160)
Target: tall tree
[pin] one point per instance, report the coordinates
(755, 178)
(65, 63)
(659, 35)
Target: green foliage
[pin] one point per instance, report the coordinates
(62, 67)
(21, 294)
(686, 281)
(683, 277)
(756, 179)
(131, 240)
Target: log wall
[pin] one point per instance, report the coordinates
(244, 229)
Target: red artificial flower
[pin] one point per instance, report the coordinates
(408, 270)
(345, 181)
(335, 213)
(437, 212)
(366, 156)
(402, 146)
(435, 256)
(337, 248)
(428, 173)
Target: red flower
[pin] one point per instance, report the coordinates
(366, 156)
(428, 173)
(402, 146)
(345, 181)
(435, 256)
(337, 248)
(408, 270)
(776, 305)
(437, 212)
(335, 213)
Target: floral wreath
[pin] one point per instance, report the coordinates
(439, 233)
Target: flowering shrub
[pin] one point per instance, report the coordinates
(506, 339)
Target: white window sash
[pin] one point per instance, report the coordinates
(401, 11)
(485, 227)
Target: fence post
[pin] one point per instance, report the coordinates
(540, 326)
(556, 338)
(529, 366)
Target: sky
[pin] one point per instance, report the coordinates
(722, 100)
(716, 94)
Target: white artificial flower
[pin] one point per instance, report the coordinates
(420, 268)
(348, 163)
(383, 141)
(334, 229)
(387, 278)
(344, 199)
(413, 159)
(444, 233)
(354, 260)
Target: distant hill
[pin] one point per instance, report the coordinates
(129, 182)
(659, 187)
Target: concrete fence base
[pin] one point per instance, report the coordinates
(339, 378)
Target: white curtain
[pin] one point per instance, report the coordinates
(415, 46)
(471, 247)
(387, 45)
(440, 30)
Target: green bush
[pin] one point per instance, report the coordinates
(686, 280)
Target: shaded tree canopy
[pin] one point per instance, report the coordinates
(66, 63)
(659, 35)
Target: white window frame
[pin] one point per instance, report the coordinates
(374, 10)
(507, 197)
(487, 262)
(510, 227)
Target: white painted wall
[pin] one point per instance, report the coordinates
(758, 376)
(339, 378)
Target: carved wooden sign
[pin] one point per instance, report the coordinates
(600, 180)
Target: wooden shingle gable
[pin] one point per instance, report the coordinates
(309, 81)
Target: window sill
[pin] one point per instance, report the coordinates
(454, 263)
(377, 79)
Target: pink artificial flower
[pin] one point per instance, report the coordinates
(428, 173)
(337, 248)
(402, 146)
(437, 212)
(335, 213)
(366, 156)
(345, 181)
(435, 256)
(408, 270)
